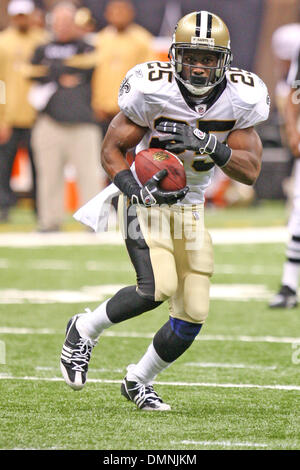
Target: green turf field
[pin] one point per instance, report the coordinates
(263, 213)
(237, 387)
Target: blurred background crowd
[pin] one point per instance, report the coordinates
(61, 65)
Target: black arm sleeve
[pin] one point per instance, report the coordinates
(126, 182)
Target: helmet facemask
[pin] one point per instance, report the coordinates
(199, 83)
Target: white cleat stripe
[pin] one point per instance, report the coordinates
(66, 353)
(65, 358)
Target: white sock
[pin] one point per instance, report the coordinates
(147, 368)
(290, 275)
(91, 324)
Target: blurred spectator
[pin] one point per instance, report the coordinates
(48, 5)
(122, 44)
(66, 130)
(17, 43)
(38, 18)
(86, 25)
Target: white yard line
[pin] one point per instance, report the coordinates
(173, 384)
(4, 263)
(86, 294)
(207, 337)
(240, 292)
(219, 237)
(48, 264)
(42, 368)
(7, 330)
(206, 365)
(231, 385)
(35, 240)
(64, 265)
(134, 334)
(228, 365)
(214, 365)
(221, 443)
(108, 266)
(251, 339)
(246, 270)
(246, 236)
(229, 292)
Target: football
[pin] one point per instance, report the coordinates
(150, 161)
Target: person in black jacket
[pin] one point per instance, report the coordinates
(66, 131)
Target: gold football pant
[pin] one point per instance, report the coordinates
(171, 252)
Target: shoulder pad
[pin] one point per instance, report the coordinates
(246, 88)
(150, 77)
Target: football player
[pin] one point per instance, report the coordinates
(199, 108)
(286, 42)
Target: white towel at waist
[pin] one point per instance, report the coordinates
(95, 213)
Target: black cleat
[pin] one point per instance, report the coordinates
(285, 298)
(75, 356)
(143, 396)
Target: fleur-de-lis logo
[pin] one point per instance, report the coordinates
(125, 86)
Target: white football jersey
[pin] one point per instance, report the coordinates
(150, 94)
